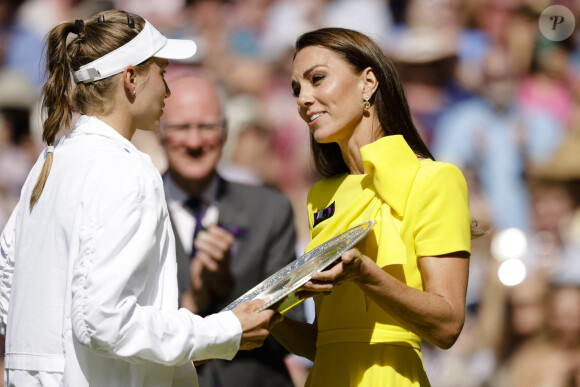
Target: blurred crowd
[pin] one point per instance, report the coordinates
(488, 93)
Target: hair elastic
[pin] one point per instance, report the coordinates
(50, 149)
(79, 27)
(130, 22)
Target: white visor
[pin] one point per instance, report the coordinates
(149, 42)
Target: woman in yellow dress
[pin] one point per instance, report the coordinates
(406, 281)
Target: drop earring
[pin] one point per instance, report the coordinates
(366, 104)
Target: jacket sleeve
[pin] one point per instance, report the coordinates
(117, 275)
(281, 248)
(7, 252)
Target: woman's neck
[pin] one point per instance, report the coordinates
(350, 147)
(119, 121)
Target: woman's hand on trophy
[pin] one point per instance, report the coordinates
(255, 325)
(350, 266)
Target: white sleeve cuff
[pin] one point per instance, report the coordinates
(222, 333)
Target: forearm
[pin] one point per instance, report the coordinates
(430, 315)
(297, 337)
(141, 334)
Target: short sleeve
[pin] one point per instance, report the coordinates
(439, 207)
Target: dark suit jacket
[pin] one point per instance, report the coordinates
(266, 218)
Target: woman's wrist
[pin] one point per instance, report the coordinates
(364, 269)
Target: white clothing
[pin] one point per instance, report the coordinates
(88, 282)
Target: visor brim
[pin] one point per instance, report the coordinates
(177, 49)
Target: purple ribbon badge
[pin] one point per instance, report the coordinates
(323, 214)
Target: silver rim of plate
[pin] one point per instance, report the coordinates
(297, 273)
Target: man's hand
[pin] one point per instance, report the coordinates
(213, 247)
(209, 272)
(210, 269)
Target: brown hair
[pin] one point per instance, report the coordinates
(390, 103)
(97, 36)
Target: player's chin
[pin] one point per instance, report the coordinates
(151, 126)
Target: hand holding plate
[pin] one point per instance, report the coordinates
(255, 325)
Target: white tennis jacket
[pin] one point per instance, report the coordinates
(88, 284)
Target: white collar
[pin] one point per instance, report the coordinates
(92, 125)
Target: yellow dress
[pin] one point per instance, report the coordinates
(421, 209)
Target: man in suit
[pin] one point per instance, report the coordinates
(247, 232)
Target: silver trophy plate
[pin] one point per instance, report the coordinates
(285, 282)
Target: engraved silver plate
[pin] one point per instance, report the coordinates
(286, 281)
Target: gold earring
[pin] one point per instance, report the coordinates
(366, 104)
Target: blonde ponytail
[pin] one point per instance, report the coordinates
(56, 99)
(96, 37)
(41, 180)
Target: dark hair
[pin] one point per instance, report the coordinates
(99, 35)
(390, 102)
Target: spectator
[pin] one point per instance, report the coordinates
(20, 47)
(489, 134)
(554, 359)
(426, 59)
(251, 238)
(18, 150)
(514, 323)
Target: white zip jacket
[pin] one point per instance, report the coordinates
(88, 286)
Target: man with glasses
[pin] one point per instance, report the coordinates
(229, 236)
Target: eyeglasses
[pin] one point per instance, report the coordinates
(207, 130)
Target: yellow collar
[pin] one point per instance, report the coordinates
(393, 165)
